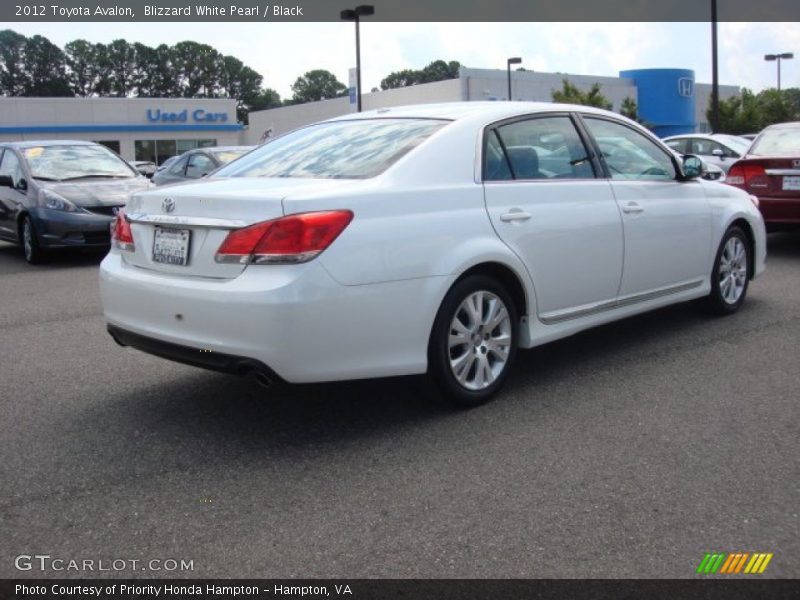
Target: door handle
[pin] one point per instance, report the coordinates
(632, 208)
(515, 215)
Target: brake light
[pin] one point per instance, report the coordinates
(747, 176)
(287, 240)
(121, 233)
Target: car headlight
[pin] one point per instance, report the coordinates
(54, 201)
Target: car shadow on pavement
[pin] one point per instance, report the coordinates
(784, 244)
(13, 261)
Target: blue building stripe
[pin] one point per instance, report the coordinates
(116, 128)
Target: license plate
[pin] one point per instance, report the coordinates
(791, 183)
(171, 246)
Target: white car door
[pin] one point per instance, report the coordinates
(546, 202)
(666, 220)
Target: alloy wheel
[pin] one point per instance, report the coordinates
(480, 340)
(733, 270)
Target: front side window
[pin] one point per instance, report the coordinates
(178, 167)
(11, 167)
(66, 162)
(628, 153)
(355, 149)
(539, 148)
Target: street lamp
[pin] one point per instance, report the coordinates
(511, 61)
(364, 10)
(777, 58)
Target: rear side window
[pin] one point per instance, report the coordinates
(355, 149)
(679, 145)
(537, 148)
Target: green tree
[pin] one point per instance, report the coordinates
(81, 72)
(318, 84)
(14, 79)
(750, 113)
(570, 94)
(438, 70)
(45, 64)
(629, 109)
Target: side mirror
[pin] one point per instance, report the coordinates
(692, 167)
(22, 185)
(717, 152)
(6, 181)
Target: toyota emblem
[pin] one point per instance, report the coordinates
(168, 205)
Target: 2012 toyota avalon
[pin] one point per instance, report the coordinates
(61, 194)
(428, 239)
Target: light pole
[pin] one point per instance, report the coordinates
(777, 58)
(364, 10)
(714, 70)
(511, 61)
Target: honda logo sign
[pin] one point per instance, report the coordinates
(686, 87)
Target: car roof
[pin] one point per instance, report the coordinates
(223, 148)
(40, 143)
(454, 111)
(788, 125)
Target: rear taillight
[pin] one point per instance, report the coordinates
(288, 240)
(745, 176)
(121, 234)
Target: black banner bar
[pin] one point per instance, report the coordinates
(370, 589)
(218, 11)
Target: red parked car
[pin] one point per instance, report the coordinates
(771, 171)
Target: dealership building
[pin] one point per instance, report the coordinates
(136, 128)
(669, 101)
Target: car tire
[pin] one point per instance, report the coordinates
(473, 342)
(731, 274)
(31, 247)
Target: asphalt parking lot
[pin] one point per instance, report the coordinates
(627, 451)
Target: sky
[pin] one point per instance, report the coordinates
(281, 52)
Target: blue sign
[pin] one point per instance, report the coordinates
(198, 116)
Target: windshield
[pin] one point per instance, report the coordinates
(339, 150)
(776, 142)
(75, 162)
(226, 156)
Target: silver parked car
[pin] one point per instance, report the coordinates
(62, 194)
(198, 163)
(717, 149)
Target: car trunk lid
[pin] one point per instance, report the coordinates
(774, 176)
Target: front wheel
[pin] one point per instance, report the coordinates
(730, 276)
(473, 341)
(34, 253)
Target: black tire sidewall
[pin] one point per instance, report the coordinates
(717, 302)
(438, 352)
(37, 253)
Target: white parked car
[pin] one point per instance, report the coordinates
(425, 239)
(717, 149)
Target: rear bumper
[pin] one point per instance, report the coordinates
(295, 320)
(780, 211)
(196, 357)
(59, 229)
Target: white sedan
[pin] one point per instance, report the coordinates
(427, 239)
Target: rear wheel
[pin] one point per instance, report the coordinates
(730, 276)
(34, 253)
(473, 342)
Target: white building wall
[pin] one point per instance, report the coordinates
(54, 113)
(286, 118)
(702, 99)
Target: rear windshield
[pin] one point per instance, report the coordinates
(65, 162)
(340, 150)
(778, 141)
